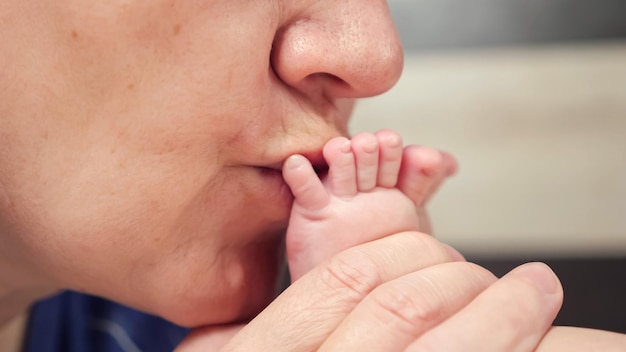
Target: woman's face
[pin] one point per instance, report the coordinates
(141, 140)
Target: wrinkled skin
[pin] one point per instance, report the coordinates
(141, 140)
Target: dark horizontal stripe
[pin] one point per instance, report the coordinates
(595, 289)
(428, 25)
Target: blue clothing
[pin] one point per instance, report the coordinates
(74, 322)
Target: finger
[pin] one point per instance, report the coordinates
(570, 339)
(520, 307)
(399, 311)
(317, 303)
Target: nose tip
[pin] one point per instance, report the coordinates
(348, 52)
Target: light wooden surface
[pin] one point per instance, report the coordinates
(540, 133)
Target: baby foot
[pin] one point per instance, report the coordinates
(356, 202)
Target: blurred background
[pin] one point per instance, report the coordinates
(530, 96)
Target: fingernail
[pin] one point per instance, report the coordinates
(540, 275)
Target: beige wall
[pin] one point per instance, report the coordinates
(540, 133)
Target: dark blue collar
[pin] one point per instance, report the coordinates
(74, 322)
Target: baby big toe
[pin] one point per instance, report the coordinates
(306, 187)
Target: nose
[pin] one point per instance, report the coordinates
(339, 49)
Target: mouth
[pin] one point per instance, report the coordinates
(266, 183)
(316, 159)
(320, 166)
(271, 173)
(274, 183)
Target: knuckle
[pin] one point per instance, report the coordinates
(429, 246)
(405, 309)
(352, 272)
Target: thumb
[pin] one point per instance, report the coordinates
(210, 338)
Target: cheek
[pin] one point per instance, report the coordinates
(122, 126)
(106, 196)
(190, 260)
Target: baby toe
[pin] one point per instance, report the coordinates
(390, 157)
(341, 168)
(306, 187)
(366, 153)
(420, 170)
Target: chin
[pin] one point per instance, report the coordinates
(240, 307)
(246, 289)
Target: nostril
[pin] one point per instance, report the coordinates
(329, 78)
(324, 83)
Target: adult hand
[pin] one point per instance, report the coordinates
(383, 296)
(571, 339)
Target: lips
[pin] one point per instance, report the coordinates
(316, 159)
(273, 173)
(320, 168)
(266, 187)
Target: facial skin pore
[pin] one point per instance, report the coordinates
(141, 141)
